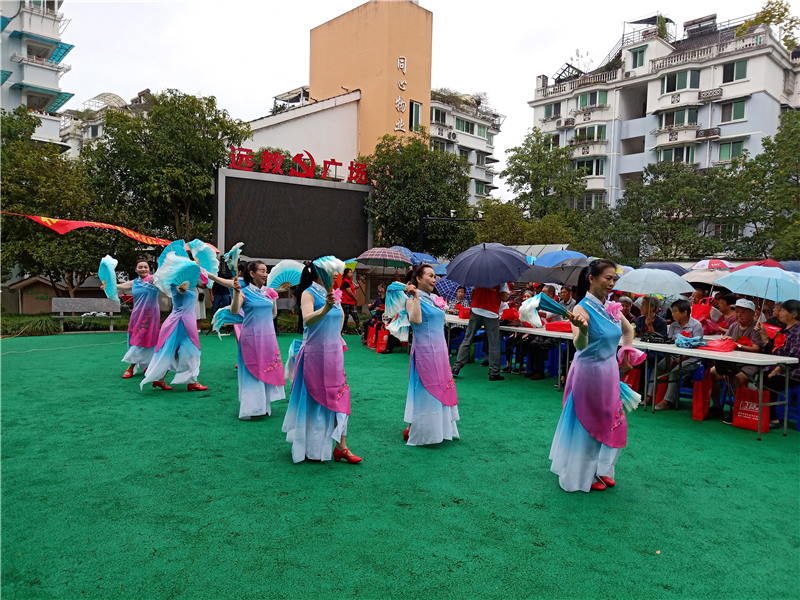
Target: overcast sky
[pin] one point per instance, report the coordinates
(244, 53)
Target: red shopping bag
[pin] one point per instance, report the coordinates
(563, 326)
(702, 309)
(745, 410)
(510, 314)
(661, 389)
(633, 378)
(721, 345)
(463, 313)
(371, 336)
(701, 398)
(383, 337)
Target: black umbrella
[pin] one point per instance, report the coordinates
(568, 271)
(665, 266)
(487, 265)
(536, 274)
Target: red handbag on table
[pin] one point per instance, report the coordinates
(721, 346)
(563, 326)
(463, 313)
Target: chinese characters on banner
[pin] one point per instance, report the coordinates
(272, 162)
(400, 103)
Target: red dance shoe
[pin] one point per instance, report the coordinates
(405, 433)
(196, 387)
(598, 486)
(127, 374)
(235, 366)
(608, 481)
(162, 385)
(345, 454)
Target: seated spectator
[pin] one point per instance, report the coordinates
(786, 343)
(699, 293)
(517, 341)
(627, 304)
(649, 319)
(674, 366)
(743, 332)
(566, 299)
(725, 305)
(376, 308)
(539, 346)
(459, 300)
(775, 319)
(764, 310)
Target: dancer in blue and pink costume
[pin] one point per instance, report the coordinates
(319, 406)
(261, 377)
(145, 321)
(178, 347)
(593, 430)
(431, 401)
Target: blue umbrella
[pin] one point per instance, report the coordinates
(551, 259)
(531, 259)
(425, 258)
(791, 265)
(665, 266)
(440, 269)
(770, 283)
(447, 290)
(403, 250)
(487, 265)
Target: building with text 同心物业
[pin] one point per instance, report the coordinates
(703, 99)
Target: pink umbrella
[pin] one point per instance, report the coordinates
(714, 263)
(760, 263)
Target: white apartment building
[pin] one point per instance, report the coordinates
(461, 127)
(703, 99)
(31, 61)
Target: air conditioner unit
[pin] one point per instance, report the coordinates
(558, 123)
(453, 136)
(629, 74)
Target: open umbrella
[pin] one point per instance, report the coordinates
(440, 269)
(713, 263)
(383, 257)
(425, 258)
(706, 276)
(791, 265)
(568, 271)
(665, 266)
(551, 259)
(770, 283)
(653, 281)
(487, 265)
(447, 289)
(408, 254)
(761, 263)
(537, 274)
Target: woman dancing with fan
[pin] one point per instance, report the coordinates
(178, 347)
(319, 406)
(145, 321)
(261, 380)
(592, 429)
(431, 401)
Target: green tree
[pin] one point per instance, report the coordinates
(37, 180)
(542, 177)
(774, 12)
(163, 165)
(503, 222)
(770, 185)
(671, 214)
(408, 177)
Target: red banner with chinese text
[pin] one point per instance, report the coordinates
(63, 226)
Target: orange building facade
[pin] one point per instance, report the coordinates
(382, 48)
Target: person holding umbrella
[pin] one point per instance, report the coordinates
(592, 429)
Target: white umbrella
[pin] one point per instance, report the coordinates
(707, 276)
(653, 281)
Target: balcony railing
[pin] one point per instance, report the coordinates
(706, 53)
(712, 132)
(680, 127)
(36, 60)
(590, 108)
(42, 11)
(585, 142)
(569, 86)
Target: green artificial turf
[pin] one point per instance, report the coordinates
(109, 492)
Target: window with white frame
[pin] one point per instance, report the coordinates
(591, 166)
(438, 116)
(552, 110)
(593, 132)
(734, 71)
(678, 154)
(481, 131)
(680, 81)
(592, 99)
(440, 146)
(589, 201)
(683, 116)
(465, 126)
(464, 152)
(730, 150)
(727, 231)
(416, 115)
(480, 188)
(480, 159)
(732, 111)
(637, 57)
(490, 139)
(555, 141)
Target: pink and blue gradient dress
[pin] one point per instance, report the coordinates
(178, 347)
(431, 401)
(592, 429)
(144, 324)
(261, 377)
(319, 405)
